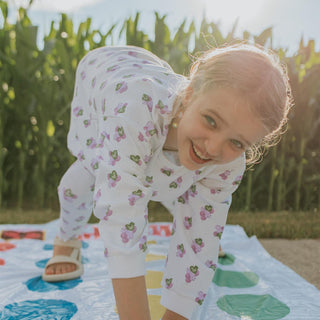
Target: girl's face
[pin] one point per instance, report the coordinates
(216, 128)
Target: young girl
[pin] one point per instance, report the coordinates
(140, 132)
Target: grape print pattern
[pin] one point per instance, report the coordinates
(121, 112)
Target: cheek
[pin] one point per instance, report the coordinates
(183, 129)
(229, 154)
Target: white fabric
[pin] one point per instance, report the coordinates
(121, 111)
(94, 299)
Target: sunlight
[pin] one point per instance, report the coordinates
(54, 6)
(230, 10)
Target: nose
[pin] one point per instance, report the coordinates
(214, 146)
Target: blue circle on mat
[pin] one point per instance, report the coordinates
(42, 263)
(39, 309)
(85, 245)
(38, 285)
(84, 260)
(48, 246)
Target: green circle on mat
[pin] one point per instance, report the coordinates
(255, 307)
(235, 279)
(227, 259)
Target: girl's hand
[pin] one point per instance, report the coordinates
(170, 315)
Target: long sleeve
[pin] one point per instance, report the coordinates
(200, 217)
(121, 198)
(128, 138)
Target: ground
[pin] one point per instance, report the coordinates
(302, 256)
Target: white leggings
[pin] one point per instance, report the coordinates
(76, 200)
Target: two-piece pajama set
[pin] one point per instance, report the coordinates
(120, 116)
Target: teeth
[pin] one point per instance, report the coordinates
(199, 154)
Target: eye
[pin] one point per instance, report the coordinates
(237, 144)
(210, 121)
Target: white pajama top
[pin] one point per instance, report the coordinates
(121, 111)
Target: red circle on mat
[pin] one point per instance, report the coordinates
(2, 262)
(4, 246)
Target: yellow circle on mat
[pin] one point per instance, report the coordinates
(154, 257)
(153, 279)
(156, 309)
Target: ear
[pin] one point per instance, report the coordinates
(188, 93)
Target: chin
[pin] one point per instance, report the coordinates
(189, 165)
(192, 166)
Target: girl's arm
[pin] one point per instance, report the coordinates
(131, 298)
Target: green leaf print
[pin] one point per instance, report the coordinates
(68, 193)
(145, 97)
(181, 200)
(173, 185)
(149, 179)
(137, 193)
(114, 175)
(134, 158)
(121, 131)
(208, 207)
(167, 172)
(144, 247)
(101, 86)
(111, 68)
(160, 104)
(114, 154)
(122, 109)
(194, 269)
(95, 166)
(130, 226)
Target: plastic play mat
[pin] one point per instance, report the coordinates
(249, 284)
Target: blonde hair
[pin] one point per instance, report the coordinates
(255, 74)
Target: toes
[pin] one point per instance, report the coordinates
(71, 268)
(61, 268)
(49, 270)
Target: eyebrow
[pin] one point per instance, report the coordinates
(216, 114)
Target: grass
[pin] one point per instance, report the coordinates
(284, 224)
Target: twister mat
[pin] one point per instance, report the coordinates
(249, 284)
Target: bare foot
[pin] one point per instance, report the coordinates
(60, 268)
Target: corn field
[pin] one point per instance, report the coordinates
(36, 88)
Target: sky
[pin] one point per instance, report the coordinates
(290, 19)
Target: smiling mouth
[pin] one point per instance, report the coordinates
(199, 155)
